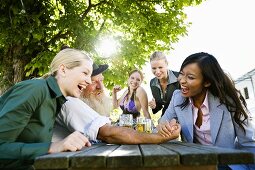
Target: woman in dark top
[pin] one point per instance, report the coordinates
(163, 84)
(134, 98)
(28, 111)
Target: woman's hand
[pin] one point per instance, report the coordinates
(116, 89)
(73, 142)
(152, 103)
(168, 129)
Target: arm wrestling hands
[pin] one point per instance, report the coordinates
(124, 135)
(168, 127)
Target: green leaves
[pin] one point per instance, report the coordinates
(41, 27)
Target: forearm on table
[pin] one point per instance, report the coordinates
(123, 135)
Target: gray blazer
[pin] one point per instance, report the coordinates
(224, 131)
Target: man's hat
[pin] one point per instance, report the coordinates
(97, 69)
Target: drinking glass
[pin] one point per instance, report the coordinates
(148, 125)
(126, 120)
(140, 124)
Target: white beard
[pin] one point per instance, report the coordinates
(102, 104)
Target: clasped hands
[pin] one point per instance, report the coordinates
(169, 128)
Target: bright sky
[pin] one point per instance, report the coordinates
(223, 28)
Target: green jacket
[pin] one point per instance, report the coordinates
(27, 115)
(163, 100)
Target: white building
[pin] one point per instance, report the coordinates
(246, 85)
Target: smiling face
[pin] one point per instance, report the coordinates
(134, 80)
(96, 88)
(159, 68)
(192, 82)
(73, 81)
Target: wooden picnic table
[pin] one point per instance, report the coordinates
(167, 156)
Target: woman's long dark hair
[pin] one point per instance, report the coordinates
(221, 86)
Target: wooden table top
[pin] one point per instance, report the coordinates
(150, 156)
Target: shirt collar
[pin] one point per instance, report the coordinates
(53, 86)
(171, 79)
(205, 102)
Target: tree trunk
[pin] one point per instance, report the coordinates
(12, 68)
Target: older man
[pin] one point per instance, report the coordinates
(94, 94)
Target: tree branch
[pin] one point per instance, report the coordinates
(57, 37)
(85, 13)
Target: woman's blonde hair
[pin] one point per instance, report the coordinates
(69, 57)
(158, 55)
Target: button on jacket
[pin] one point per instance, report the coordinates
(27, 116)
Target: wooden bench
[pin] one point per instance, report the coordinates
(167, 156)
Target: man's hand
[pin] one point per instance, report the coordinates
(73, 142)
(169, 129)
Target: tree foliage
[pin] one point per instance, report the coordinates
(32, 32)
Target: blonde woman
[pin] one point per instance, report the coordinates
(134, 99)
(163, 84)
(28, 110)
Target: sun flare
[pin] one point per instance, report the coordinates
(107, 47)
